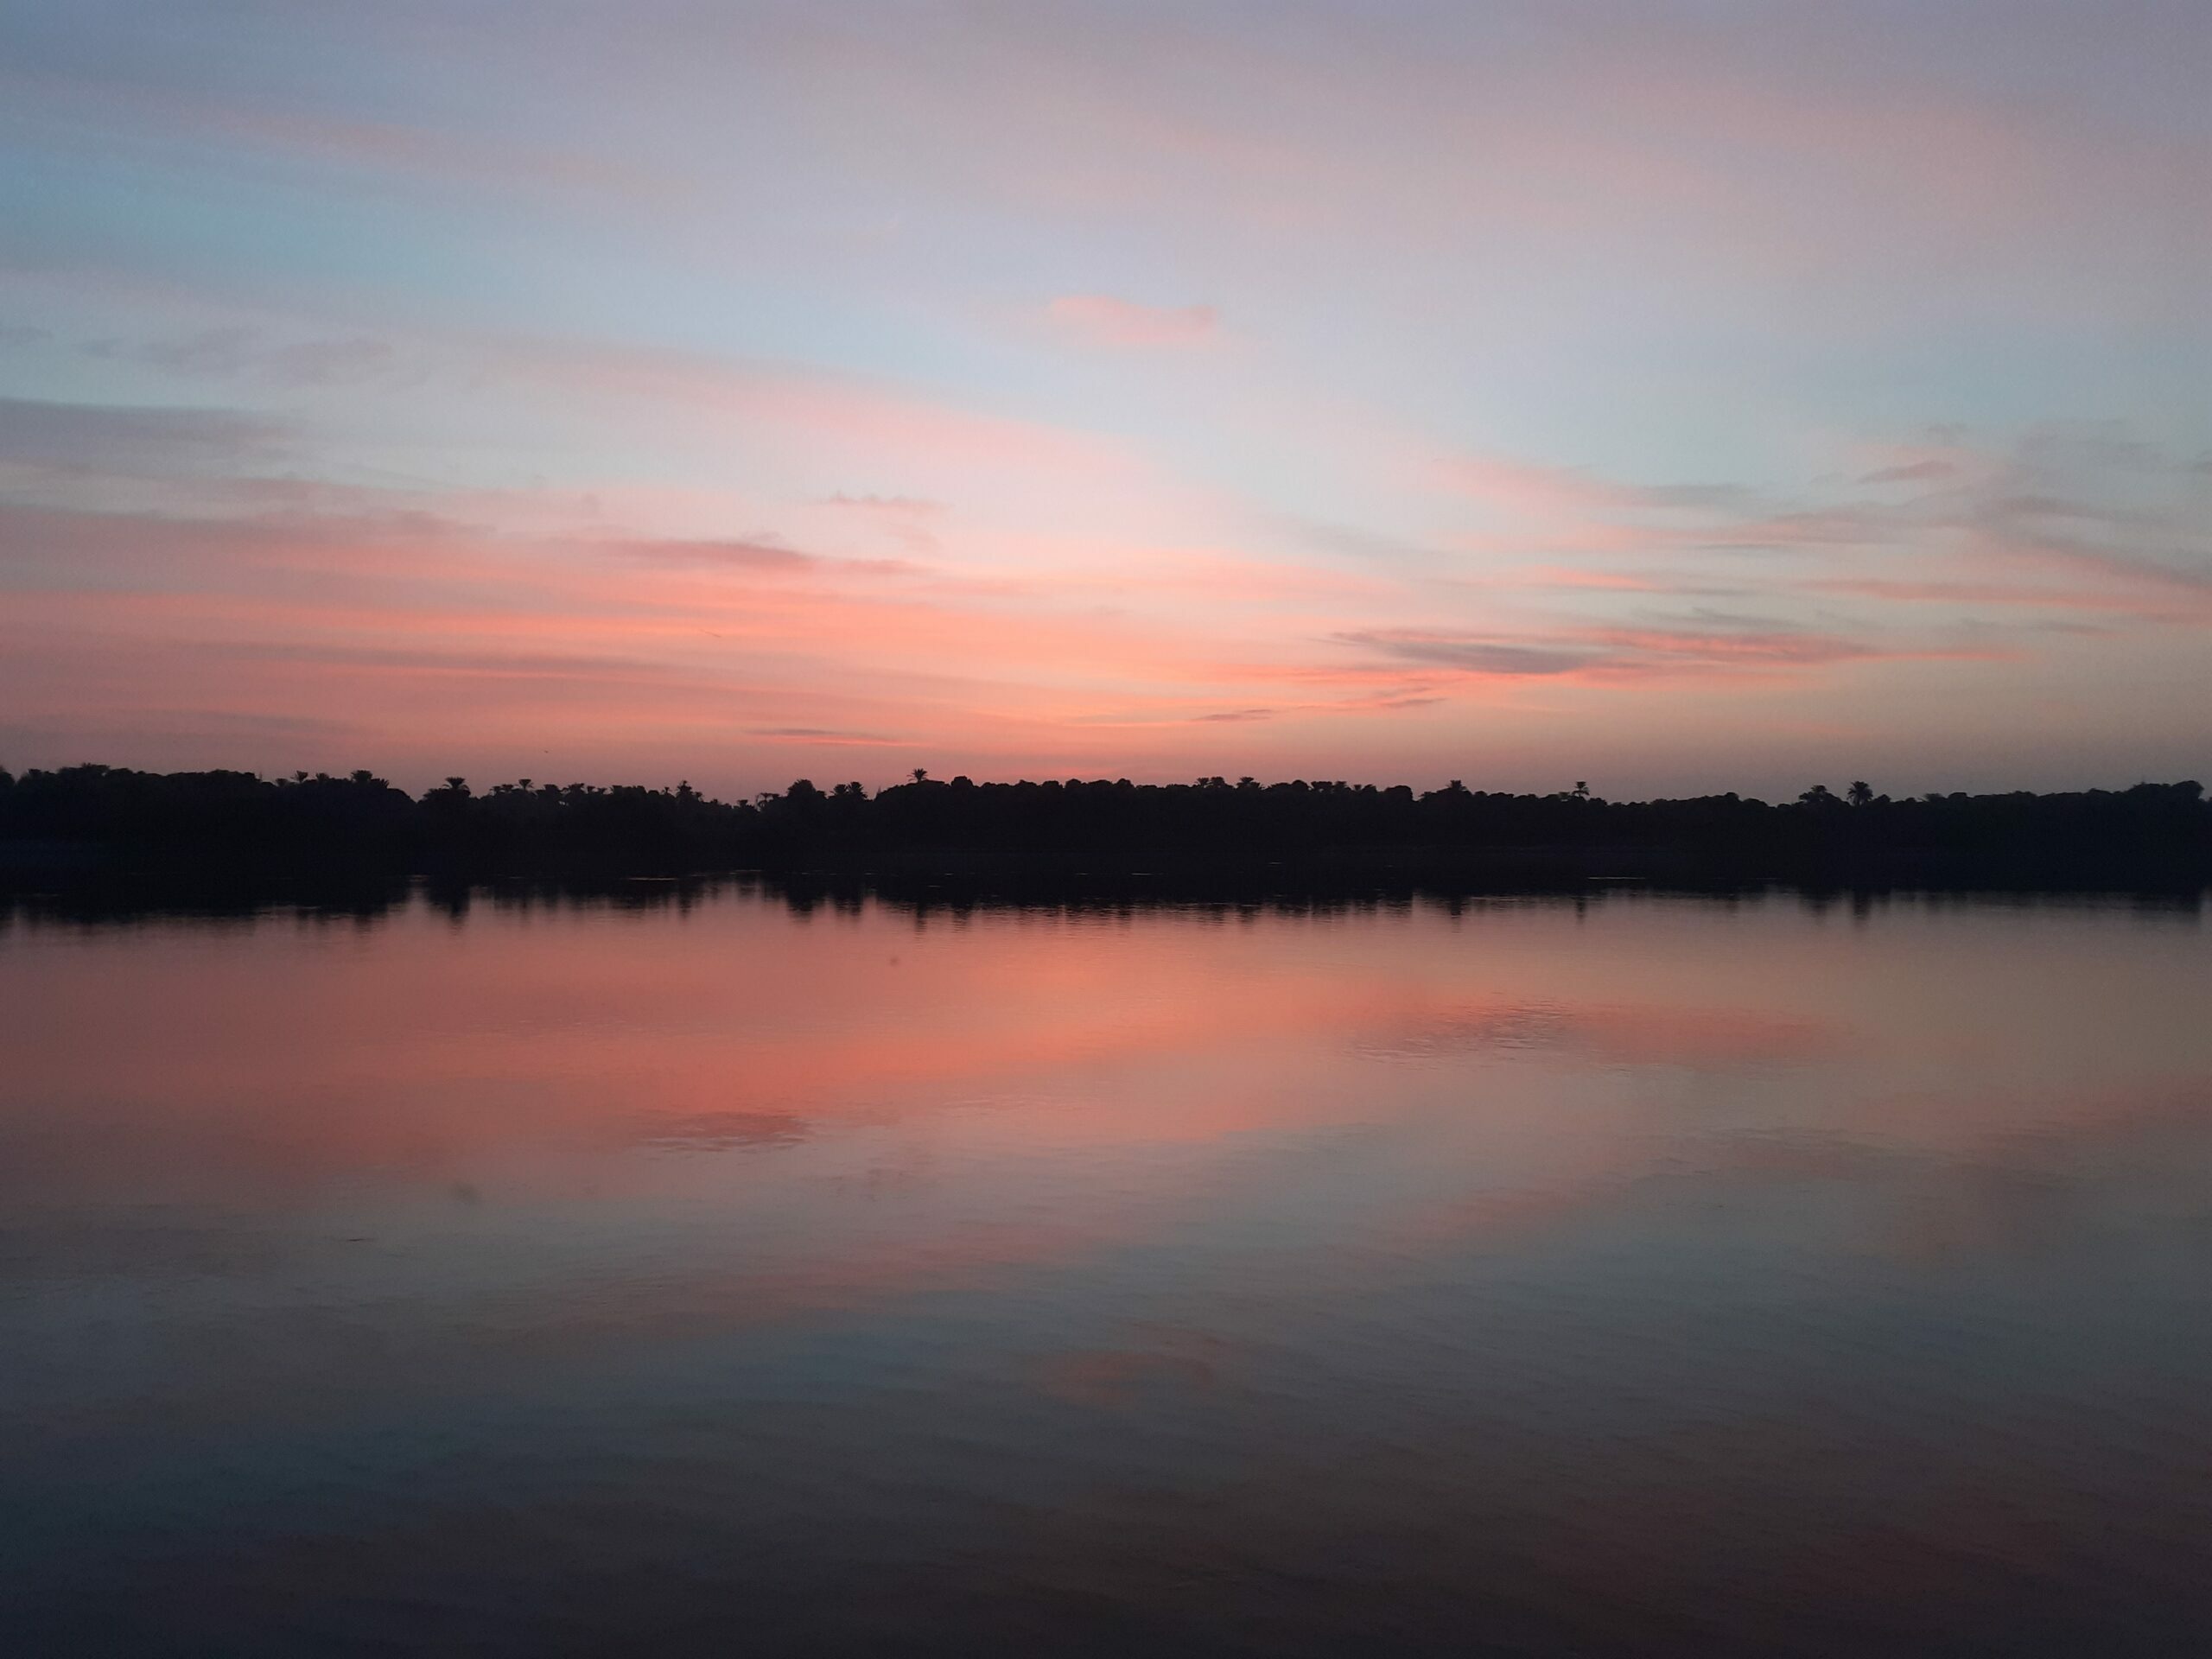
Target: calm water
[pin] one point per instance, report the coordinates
(1646, 1276)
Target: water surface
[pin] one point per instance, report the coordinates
(1638, 1276)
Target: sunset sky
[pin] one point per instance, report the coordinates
(1674, 397)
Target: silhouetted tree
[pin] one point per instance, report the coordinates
(2158, 834)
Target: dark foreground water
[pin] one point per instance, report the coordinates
(1641, 1276)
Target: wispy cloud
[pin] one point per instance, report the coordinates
(757, 556)
(94, 437)
(829, 736)
(897, 507)
(235, 351)
(1931, 471)
(1613, 654)
(1102, 320)
(69, 105)
(1537, 490)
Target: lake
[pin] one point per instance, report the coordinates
(701, 1273)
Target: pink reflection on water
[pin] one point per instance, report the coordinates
(874, 1091)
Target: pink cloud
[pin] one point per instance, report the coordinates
(1616, 581)
(1101, 320)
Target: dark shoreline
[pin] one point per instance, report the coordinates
(86, 829)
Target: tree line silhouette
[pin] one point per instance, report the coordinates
(1211, 831)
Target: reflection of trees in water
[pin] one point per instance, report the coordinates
(113, 902)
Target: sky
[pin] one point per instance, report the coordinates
(1672, 396)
